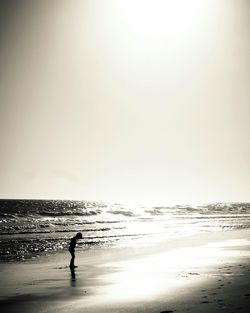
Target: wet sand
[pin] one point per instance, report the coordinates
(202, 273)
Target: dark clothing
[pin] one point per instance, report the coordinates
(72, 251)
(72, 245)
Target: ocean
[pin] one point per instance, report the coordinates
(31, 228)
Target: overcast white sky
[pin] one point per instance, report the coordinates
(125, 100)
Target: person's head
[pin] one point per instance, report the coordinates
(79, 236)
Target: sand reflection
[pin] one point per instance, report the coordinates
(162, 274)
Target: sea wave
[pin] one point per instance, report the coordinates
(31, 227)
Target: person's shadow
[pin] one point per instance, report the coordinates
(73, 277)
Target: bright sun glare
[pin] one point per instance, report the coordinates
(139, 272)
(153, 20)
(143, 90)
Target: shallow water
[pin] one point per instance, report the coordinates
(29, 228)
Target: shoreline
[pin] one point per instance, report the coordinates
(201, 273)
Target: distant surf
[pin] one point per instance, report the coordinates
(29, 228)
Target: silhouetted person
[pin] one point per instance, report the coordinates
(72, 249)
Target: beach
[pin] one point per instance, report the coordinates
(125, 151)
(208, 272)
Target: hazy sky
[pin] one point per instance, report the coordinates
(125, 100)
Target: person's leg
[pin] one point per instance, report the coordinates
(72, 258)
